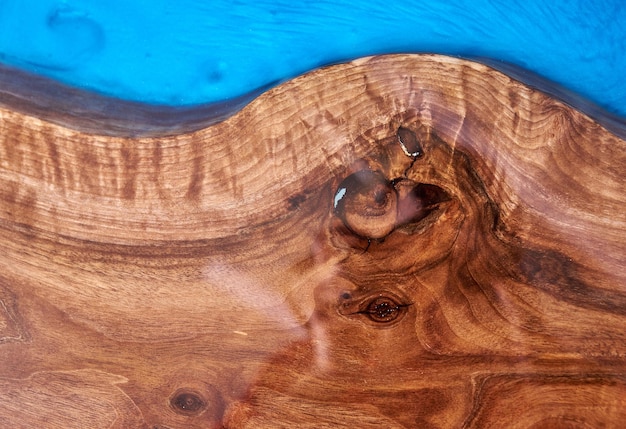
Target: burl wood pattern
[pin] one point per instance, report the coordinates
(399, 242)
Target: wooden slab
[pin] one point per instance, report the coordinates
(408, 241)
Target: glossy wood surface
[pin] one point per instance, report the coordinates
(409, 241)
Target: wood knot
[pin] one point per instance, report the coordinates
(187, 402)
(367, 203)
(372, 206)
(381, 309)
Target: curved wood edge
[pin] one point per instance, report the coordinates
(614, 123)
(91, 112)
(95, 113)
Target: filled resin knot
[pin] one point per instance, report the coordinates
(367, 203)
(372, 206)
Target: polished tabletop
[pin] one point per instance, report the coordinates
(401, 241)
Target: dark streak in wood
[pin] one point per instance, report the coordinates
(130, 162)
(53, 156)
(197, 173)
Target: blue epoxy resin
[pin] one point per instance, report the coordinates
(190, 52)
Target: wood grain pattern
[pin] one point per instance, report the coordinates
(401, 241)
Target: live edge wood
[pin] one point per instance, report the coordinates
(409, 241)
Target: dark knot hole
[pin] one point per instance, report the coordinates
(187, 402)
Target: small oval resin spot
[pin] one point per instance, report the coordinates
(409, 143)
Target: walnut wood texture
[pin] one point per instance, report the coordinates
(409, 241)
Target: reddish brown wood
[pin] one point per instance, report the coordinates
(401, 241)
